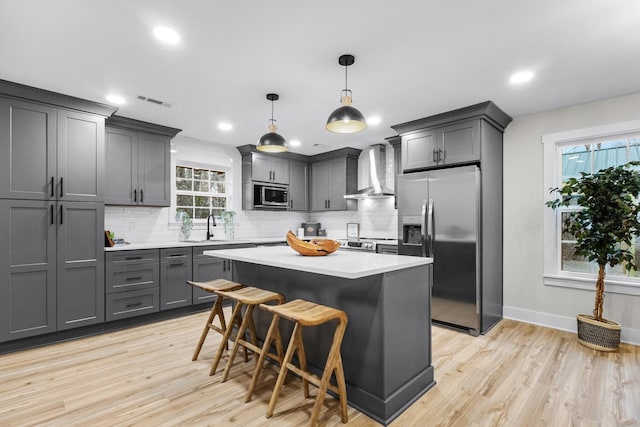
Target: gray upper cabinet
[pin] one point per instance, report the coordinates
(80, 264)
(321, 180)
(447, 145)
(270, 168)
(452, 138)
(49, 153)
(320, 175)
(122, 166)
(299, 185)
(80, 157)
(333, 175)
(138, 168)
(420, 150)
(154, 170)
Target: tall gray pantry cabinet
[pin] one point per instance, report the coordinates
(51, 211)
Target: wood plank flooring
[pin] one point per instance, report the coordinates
(516, 375)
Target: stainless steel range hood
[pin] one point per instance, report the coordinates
(377, 173)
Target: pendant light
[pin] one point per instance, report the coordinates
(346, 119)
(272, 142)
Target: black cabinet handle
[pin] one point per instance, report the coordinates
(435, 155)
(53, 184)
(61, 187)
(274, 175)
(129, 258)
(51, 206)
(175, 264)
(141, 196)
(134, 304)
(135, 195)
(61, 221)
(133, 279)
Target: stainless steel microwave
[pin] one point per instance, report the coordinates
(270, 196)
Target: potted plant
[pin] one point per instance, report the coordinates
(604, 229)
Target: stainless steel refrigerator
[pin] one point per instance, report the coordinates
(440, 215)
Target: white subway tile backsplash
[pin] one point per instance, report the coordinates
(377, 217)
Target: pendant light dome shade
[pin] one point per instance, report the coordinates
(272, 142)
(346, 119)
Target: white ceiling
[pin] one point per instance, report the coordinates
(413, 59)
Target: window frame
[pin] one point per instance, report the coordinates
(552, 148)
(198, 165)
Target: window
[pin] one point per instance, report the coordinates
(566, 155)
(200, 192)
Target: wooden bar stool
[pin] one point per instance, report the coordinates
(250, 297)
(305, 313)
(212, 286)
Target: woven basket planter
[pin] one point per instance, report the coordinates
(603, 336)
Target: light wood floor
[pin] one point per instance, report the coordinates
(517, 375)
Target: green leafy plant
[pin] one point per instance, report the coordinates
(607, 223)
(187, 224)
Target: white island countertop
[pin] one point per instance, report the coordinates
(342, 263)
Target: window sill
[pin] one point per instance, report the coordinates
(589, 283)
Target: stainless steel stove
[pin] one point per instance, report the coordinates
(369, 245)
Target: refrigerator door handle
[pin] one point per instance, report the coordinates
(430, 229)
(424, 227)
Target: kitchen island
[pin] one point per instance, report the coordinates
(386, 350)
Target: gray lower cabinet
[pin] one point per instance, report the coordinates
(175, 269)
(49, 153)
(80, 284)
(207, 268)
(298, 185)
(132, 283)
(51, 266)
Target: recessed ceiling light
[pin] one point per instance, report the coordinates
(115, 99)
(294, 143)
(373, 120)
(225, 126)
(521, 77)
(166, 35)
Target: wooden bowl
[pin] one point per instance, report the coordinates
(315, 247)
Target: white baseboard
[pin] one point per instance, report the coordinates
(627, 335)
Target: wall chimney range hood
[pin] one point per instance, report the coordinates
(377, 173)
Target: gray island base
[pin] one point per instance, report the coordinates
(386, 350)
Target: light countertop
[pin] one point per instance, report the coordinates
(188, 243)
(342, 263)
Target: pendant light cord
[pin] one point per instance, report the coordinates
(346, 87)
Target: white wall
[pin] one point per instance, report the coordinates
(378, 218)
(525, 295)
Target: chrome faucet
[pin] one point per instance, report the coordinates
(209, 233)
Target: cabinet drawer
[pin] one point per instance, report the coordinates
(132, 257)
(132, 303)
(130, 277)
(171, 254)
